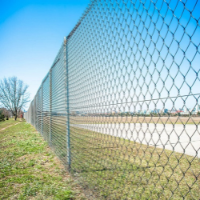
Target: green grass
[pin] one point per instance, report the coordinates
(109, 167)
(29, 169)
(115, 168)
(4, 124)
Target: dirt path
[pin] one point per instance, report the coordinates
(8, 126)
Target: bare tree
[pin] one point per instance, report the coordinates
(13, 95)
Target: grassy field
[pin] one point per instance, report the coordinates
(154, 120)
(115, 168)
(29, 169)
(7, 123)
(105, 166)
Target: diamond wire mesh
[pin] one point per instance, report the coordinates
(121, 104)
(39, 110)
(46, 107)
(59, 106)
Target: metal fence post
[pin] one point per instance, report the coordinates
(35, 105)
(37, 111)
(50, 102)
(67, 103)
(42, 109)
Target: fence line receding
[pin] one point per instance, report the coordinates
(120, 104)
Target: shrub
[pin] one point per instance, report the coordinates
(2, 117)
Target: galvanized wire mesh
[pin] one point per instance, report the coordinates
(120, 104)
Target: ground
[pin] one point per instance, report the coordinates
(7, 123)
(116, 168)
(107, 166)
(29, 169)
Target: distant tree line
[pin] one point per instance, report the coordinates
(4, 114)
(2, 117)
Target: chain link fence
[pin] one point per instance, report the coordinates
(120, 104)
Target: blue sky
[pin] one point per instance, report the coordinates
(135, 56)
(31, 33)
